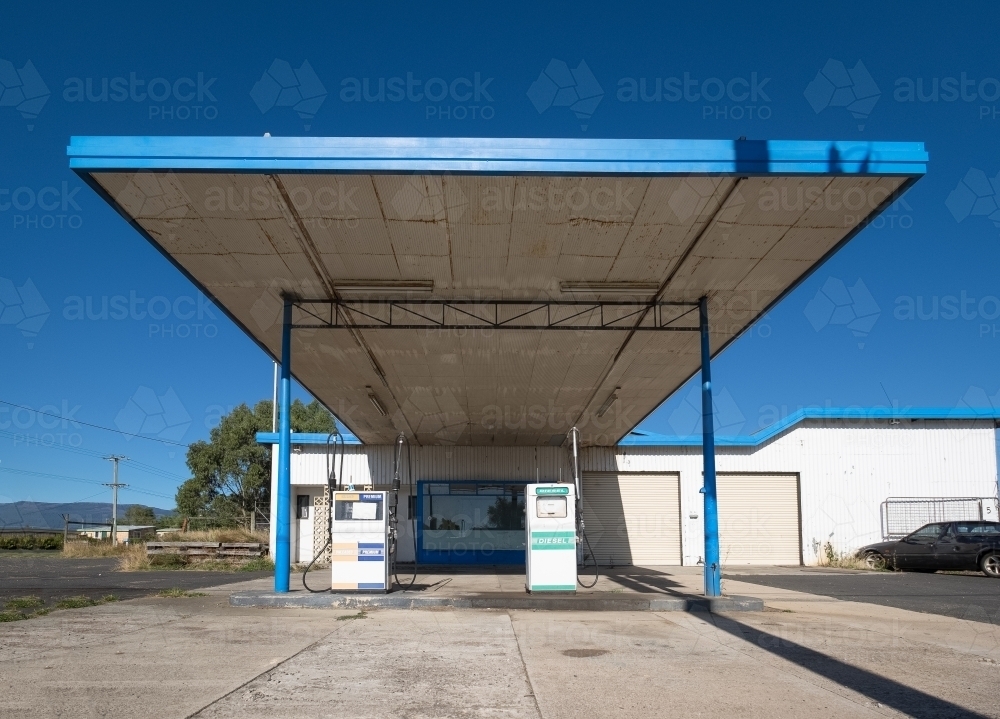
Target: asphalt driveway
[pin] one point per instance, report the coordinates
(51, 577)
(962, 596)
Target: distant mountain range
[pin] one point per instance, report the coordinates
(48, 515)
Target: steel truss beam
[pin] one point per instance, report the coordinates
(496, 315)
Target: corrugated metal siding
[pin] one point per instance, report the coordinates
(846, 470)
(374, 464)
(633, 518)
(758, 518)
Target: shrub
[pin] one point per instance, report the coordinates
(31, 541)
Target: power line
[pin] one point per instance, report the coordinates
(76, 501)
(63, 477)
(95, 426)
(148, 468)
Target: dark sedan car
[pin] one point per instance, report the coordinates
(942, 545)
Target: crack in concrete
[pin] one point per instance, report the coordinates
(524, 666)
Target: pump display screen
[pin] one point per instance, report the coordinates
(358, 505)
(550, 507)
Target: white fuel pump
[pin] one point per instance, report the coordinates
(360, 542)
(550, 544)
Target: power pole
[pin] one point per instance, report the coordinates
(116, 458)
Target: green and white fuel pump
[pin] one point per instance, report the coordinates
(554, 532)
(550, 544)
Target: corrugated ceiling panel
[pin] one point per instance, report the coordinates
(479, 240)
(333, 196)
(847, 200)
(498, 237)
(425, 267)
(780, 202)
(350, 236)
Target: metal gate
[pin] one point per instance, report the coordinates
(902, 515)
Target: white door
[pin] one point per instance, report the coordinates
(303, 527)
(759, 519)
(633, 518)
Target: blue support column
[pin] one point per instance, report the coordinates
(282, 548)
(713, 572)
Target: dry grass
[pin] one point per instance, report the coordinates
(846, 561)
(81, 602)
(134, 558)
(91, 549)
(850, 560)
(21, 608)
(217, 535)
(178, 593)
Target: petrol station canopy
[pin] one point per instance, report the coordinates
(494, 291)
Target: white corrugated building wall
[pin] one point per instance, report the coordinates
(781, 499)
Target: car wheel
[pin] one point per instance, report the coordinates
(990, 565)
(874, 560)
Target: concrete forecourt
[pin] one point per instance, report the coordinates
(200, 656)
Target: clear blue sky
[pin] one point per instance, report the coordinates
(190, 68)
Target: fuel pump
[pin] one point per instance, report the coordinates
(364, 533)
(550, 541)
(554, 531)
(360, 534)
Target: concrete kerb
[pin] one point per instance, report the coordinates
(500, 600)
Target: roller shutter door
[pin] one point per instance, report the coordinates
(633, 518)
(758, 519)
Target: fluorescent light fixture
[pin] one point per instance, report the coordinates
(607, 403)
(384, 286)
(375, 401)
(609, 288)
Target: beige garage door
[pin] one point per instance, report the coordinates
(633, 518)
(758, 519)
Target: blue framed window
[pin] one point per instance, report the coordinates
(470, 522)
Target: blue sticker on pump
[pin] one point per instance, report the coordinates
(371, 497)
(371, 552)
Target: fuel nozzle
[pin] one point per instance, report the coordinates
(400, 440)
